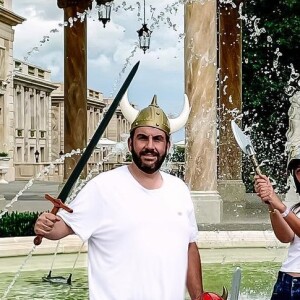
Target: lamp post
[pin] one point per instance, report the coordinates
(144, 34)
(104, 10)
(36, 155)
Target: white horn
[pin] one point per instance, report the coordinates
(179, 122)
(129, 112)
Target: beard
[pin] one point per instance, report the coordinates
(148, 168)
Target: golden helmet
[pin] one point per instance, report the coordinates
(154, 116)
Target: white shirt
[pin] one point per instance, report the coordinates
(292, 262)
(137, 238)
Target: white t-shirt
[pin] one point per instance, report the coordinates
(137, 238)
(292, 262)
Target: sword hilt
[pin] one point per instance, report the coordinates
(256, 165)
(257, 169)
(57, 204)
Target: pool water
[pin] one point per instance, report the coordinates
(257, 282)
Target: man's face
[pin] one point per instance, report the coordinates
(149, 148)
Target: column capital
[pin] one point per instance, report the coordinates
(72, 3)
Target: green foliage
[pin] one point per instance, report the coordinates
(177, 155)
(3, 154)
(18, 224)
(267, 60)
(128, 157)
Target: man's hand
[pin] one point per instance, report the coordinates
(45, 223)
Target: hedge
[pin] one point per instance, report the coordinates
(18, 224)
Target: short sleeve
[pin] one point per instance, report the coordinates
(86, 211)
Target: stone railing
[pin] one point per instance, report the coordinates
(26, 171)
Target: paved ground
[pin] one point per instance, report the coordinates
(26, 198)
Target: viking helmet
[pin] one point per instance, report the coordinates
(154, 116)
(293, 161)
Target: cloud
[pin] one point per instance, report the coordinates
(113, 50)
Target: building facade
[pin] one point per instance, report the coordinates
(32, 116)
(7, 114)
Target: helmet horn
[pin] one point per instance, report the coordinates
(129, 112)
(225, 293)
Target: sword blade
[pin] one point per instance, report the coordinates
(96, 137)
(236, 282)
(245, 144)
(62, 197)
(241, 138)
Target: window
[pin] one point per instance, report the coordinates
(32, 115)
(31, 70)
(42, 114)
(19, 111)
(19, 154)
(42, 155)
(31, 157)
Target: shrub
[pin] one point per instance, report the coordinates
(18, 224)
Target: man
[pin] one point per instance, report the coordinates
(139, 223)
(286, 225)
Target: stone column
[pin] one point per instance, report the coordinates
(75, 82)
(230, 183)
(200, 86)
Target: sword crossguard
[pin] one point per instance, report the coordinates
(57, 204)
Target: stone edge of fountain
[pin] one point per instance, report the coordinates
(21, 246)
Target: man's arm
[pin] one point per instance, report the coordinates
(194, 273)
(51, 227)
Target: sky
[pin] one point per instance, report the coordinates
(112, 51)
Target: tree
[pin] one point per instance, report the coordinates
(270, 52)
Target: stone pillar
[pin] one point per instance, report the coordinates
(230, 183)
(200, 86)
(293, 142)
(75, 82)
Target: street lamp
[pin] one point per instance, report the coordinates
(144, 34)
(36, 155)
(104, 10)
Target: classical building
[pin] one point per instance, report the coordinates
(32, 116)
(32, 88)
(39, 125)
(105, 154)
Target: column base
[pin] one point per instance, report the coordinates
(208, 207)
(232, 191)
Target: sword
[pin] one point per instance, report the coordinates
(236, 282)
(62, 197)
(245, 144)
